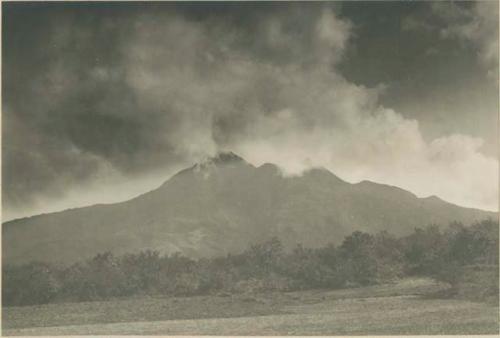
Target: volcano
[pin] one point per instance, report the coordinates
(223, 205)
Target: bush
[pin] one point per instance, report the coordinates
(307, 269)
(359, 264)
(34, 283)
(465, 257)
(425, 251)
(478, 282)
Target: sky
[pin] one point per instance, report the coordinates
(104, 101)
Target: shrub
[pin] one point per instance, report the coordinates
(357, 254)
(34, 283)
(465, 257)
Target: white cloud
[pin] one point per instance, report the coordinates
(297, 116)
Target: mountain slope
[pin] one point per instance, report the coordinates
(222, 206)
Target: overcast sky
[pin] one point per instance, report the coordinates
(102, 102)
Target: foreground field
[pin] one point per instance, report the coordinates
(406, 307)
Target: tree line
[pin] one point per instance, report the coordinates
(361, 259)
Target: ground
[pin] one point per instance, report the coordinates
(410, 306)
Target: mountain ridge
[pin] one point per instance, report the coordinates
(267, 166)
(222, 205)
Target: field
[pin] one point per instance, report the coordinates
(411, 306)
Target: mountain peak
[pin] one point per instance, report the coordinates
(208, 165)
(221, 159)
(226, 157)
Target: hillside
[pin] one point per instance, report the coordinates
(223, 205)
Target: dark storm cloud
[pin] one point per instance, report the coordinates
(68, 107)
(438, 60)
(105, 90)
(62, 117)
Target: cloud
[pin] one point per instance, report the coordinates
(473, 23)
(165, 88)
(383, 148)
(479, 26)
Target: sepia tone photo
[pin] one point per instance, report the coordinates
(250, 168)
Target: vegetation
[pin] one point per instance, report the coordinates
(403, 307)
(362, 259)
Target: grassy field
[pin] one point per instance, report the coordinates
(406, 307)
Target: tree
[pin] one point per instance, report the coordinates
(265, 257)
(33, 283)
(142, 271)
(357, 258)
(425, 250)
(389, 256)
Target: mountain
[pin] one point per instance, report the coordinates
(221, 206)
